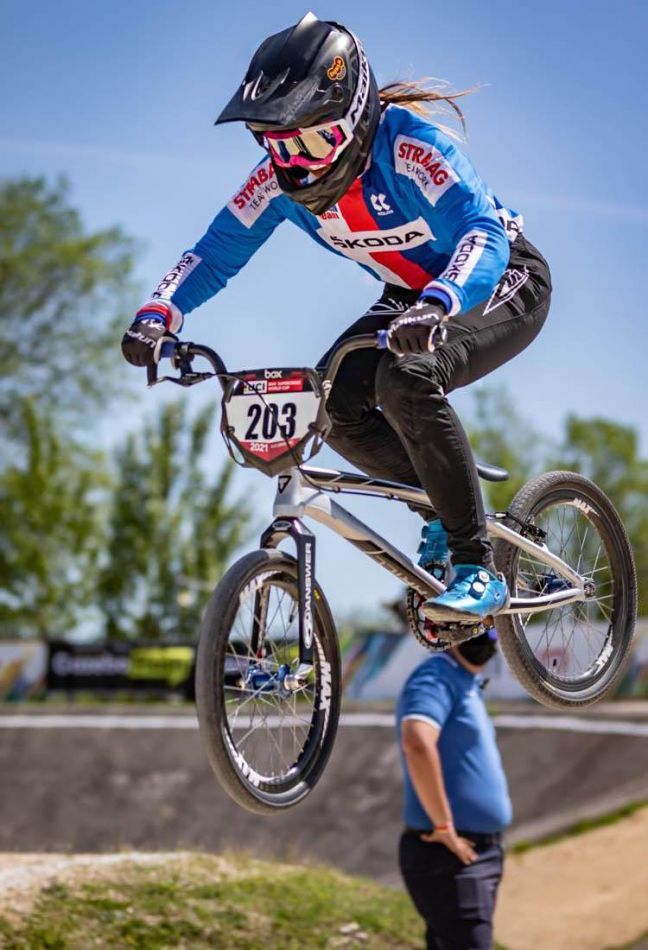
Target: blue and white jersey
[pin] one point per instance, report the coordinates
(418, 217)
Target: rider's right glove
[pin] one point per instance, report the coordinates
(142, 342)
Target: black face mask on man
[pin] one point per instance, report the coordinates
(479, 650)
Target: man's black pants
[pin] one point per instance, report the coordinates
(415, 437)
(456, 901)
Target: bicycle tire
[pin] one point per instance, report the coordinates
(579, 492)
(269, 568)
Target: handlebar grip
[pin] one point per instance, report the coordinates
(382, 337)
(167, 350)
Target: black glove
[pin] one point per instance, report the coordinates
(143, 340)
(421, 329)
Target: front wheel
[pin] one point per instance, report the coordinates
(573, 655)
(267, 737)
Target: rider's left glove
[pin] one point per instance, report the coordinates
(421, 329)
(142, 342)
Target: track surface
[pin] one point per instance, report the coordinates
(85, 786)
(587, 906)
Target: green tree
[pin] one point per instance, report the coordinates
(603, 450)
(65, 294)
(608, 453)
(172, 528)
(50, 531)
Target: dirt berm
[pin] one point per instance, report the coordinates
(581, 893)
(86, 790)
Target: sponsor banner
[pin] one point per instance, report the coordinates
(425, 165)
(635, 681)
(121, 666)
(377, 667)
(255, 195)
(23, 669)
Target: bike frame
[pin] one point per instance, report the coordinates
(306, 492)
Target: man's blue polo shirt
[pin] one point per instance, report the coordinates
(444, 693)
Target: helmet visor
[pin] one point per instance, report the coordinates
(314, 147)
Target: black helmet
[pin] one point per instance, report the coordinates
(310, 98)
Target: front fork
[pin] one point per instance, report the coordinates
(279, 530)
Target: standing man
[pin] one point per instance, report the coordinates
(456, 797)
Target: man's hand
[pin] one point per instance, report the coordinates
(464, 849)
(143, 340)
(421, 329)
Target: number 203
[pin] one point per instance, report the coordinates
(268, 416)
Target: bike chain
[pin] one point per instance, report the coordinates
(429, 634)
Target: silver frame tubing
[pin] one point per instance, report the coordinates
(305, 493)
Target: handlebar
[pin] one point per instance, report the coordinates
(181, 355)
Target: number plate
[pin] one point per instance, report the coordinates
(270, 412)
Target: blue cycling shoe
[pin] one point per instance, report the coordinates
(473, 593)
(433, 551)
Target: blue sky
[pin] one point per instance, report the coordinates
(120, 96)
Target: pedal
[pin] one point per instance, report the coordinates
(458, 633)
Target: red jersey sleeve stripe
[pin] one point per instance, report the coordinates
(355, 211)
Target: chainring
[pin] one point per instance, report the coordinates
(436, 637)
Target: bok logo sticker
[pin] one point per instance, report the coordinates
(337, 69)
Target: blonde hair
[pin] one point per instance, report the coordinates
(426, 100)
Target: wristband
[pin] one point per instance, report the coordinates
(159, 310)
(438, 296)
(445, 827)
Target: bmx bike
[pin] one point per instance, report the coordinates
(268, 663)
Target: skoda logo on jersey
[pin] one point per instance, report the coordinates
(360, 245)
(377, 241)
(380, 206)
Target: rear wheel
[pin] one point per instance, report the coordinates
(572, 655)
(268, 738)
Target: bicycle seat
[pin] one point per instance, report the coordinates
(492, 473)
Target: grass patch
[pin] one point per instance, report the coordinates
(197, 905)
(641, 943)
(581, 827)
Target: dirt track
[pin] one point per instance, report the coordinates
(597, 900)
(582, 893)
(87, 790)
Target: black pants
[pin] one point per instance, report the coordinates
(415, 437)
(456, 901)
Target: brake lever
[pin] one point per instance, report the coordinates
(180, 360)
(152, 375)
(187, 379)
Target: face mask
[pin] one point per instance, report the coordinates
(479, 650)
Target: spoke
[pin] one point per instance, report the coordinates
(280, 723)
(568, 640)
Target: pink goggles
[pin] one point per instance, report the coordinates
(315, 147)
